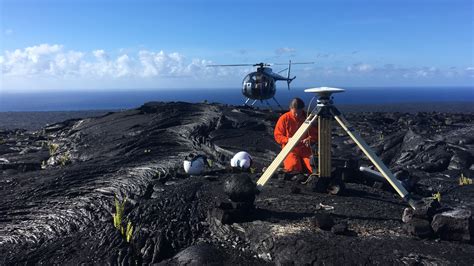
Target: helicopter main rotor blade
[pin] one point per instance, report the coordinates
(260, 64)
(282, 70)
(230, 65)
(298, 63)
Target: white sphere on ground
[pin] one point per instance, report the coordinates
(194, 167)
(241, 160)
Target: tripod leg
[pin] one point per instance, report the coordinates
(286, 150)
(277, 103)
(375, 160)
(248, 99)
(269, 106)
(253, 102)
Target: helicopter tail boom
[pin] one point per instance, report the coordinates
(288, 78)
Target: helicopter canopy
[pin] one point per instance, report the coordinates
(258, 86)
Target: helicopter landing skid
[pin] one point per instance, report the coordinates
(251, 105)
(266, 101)
(248, 99)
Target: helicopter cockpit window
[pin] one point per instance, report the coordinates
(258, 86)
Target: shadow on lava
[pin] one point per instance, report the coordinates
(275, 216)
(364, 218)
(350, 192)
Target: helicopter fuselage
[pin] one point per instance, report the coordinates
(260, 84)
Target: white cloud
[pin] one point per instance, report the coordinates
(8, 32)
(100, 54)
(162, 64)
(470, 71)
(285, 50)
(51, 65)
(360, 67)
(47, 60)
(324, 55)
(390, 73)
(124, 66)
(29, 61)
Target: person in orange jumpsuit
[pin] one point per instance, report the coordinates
(298, 160)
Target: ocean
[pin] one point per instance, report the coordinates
(125, 99)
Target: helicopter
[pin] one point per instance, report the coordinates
(260, 84)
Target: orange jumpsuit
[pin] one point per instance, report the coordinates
(298, 160)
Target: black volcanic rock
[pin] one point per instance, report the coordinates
(200, 254)
(461, 160)
(453, 225)
(240, 188)
(323, 221)
(426, 208)
(419, 227)
(62, 213)
(340, 229)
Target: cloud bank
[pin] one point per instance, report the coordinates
(54, 61)
(51, 66)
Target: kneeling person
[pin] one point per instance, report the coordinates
(298, 160)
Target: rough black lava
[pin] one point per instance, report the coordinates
(58, 186)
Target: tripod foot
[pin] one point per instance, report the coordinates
(330, 185)
(414, 204)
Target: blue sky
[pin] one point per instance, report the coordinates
(58, 45)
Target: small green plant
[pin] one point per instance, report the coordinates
(64, 159)
(463, 180)
(127, 232)
(158, 174)
(437, 196)
(118, 215)
(2, 141)
(53, 148)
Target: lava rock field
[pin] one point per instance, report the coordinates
(58, 187)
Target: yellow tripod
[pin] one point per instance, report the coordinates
(323, 113)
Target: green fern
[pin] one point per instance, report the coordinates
(437, 196)
(119, 207)
(127, 232)
(464, 180)
(53, 148)
(210, 162)
(64, 159)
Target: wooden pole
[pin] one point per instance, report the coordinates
(372, 157)
(324, 146)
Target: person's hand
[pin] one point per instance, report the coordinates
(306, 142)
